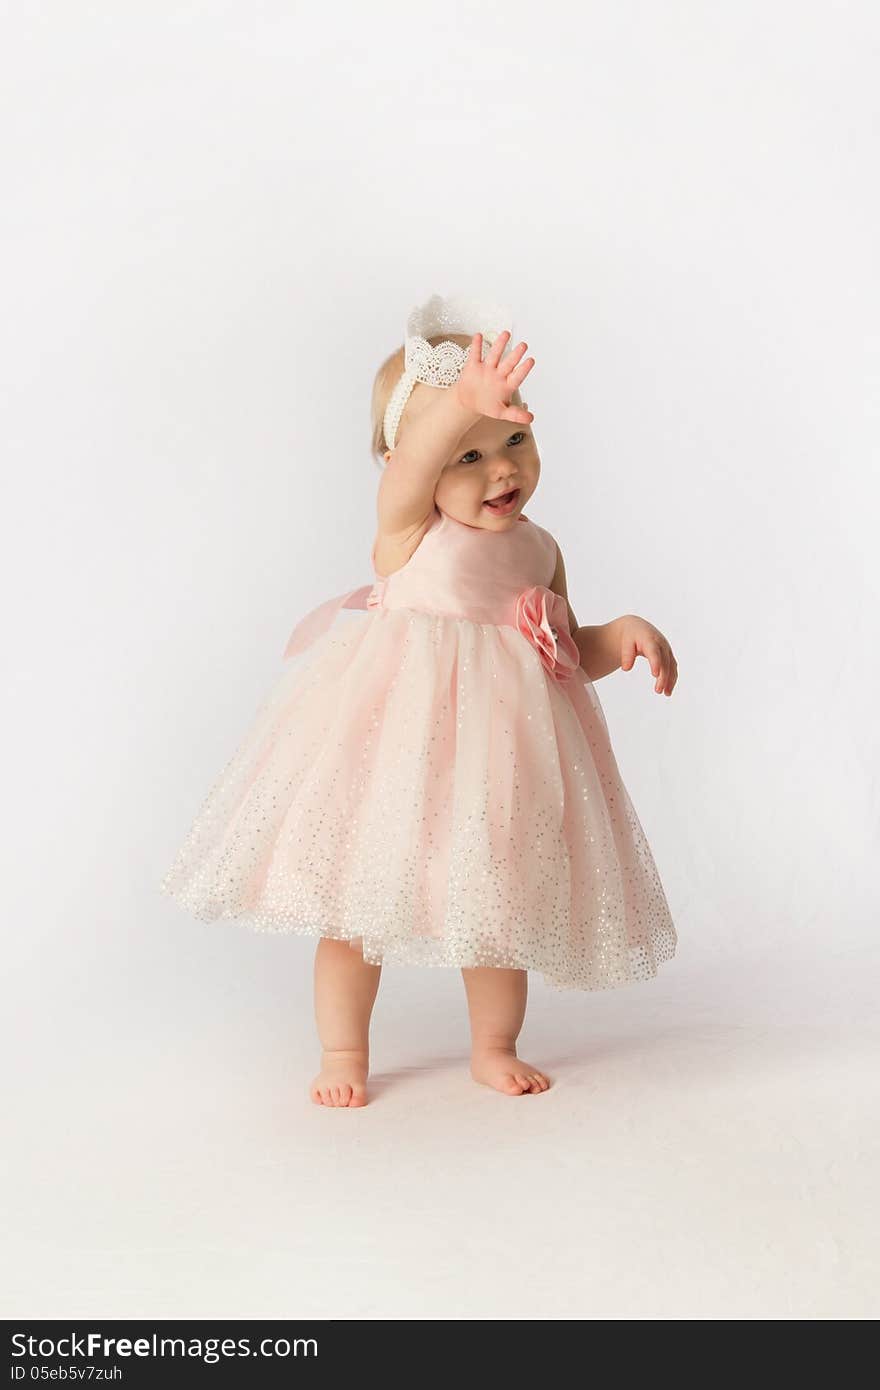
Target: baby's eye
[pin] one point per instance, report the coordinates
(515, 438)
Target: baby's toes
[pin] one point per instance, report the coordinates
(344, 1094)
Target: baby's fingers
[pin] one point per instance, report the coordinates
(627, 654)
(673, 674)
(667, 678)
(513, 357)
(493, 356)
(520, 373)
(652, 652)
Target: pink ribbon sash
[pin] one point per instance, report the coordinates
(541, 616)
(318, 620)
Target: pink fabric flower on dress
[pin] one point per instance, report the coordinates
(542, 617)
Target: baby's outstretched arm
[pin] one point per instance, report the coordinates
(430, 432)
(614, 646)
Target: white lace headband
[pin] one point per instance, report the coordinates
(441, 365)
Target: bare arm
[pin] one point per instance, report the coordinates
(485, 387)
(599, 647)
(406, 490)
(614, 646)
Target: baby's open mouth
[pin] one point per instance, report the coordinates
(503, 503)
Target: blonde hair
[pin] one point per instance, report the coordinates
(384, 383)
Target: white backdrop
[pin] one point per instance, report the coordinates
(216, 219)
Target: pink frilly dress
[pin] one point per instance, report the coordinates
(431, 780)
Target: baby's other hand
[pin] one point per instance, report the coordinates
(640, 638)
(486, 387)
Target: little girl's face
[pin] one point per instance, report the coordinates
(494, 458)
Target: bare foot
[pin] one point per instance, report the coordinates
(342, 1079)
(500, 1067)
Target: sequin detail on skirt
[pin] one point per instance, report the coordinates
(419, 785)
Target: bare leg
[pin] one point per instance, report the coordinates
(345, 990)
(497, 1006)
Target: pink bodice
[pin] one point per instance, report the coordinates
(468, 572)
(465, 571)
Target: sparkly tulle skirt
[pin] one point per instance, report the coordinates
(418, 786)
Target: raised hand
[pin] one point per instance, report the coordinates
(487, 386)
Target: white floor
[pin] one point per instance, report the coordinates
(709, 1150)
